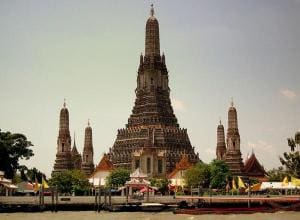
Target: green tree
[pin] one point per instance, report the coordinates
(291, 160)
(34, 173)
(70, 181)
(198, 175)
(276, 175)
(12, 148)
(219, 174)
(161, 184)
(118, 177)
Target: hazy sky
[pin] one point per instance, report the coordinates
(88, 52)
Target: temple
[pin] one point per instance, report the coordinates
(254, 169)
(152, 140)
(101, 172)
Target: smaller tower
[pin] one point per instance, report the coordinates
(221, 146)
(63, 159)
(233, 153)
(76, 157)
(87, 165)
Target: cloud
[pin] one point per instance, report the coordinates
(178, 104)
(287, 93)
(261, 146)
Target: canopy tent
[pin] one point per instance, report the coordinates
(277, 185)
(137, 183)
(6, 185)
(25, 187)
(9, 185)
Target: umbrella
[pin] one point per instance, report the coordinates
(145, 190)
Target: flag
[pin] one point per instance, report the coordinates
(241, 183)
(295, 181)
(285, 181)
(36, 185)
(233, 184)
(44, 183)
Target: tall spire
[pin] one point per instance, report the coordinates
(74, 149)
(232, 118)
(76, 157)
(64, 121)
(152, 47)
(74, 140)
(87, 165)
(221, 146)
(63, 156)
(233, 152)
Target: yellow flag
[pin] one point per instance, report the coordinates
(233, 184)
(241, 183)
(295, 181)
(36, 185)
(285, 181)
(45, 184)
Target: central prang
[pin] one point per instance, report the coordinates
(152, 140)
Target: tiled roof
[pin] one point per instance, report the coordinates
(104, 164)
(183, 164)
(253, 167)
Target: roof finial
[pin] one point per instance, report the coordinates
(220, 120)
(232, 104)
(89, 122)
(64, 103)
(152, 11)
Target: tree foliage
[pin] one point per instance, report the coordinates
(161, 184)
(277, 175)
(70, 181)
(12, 148)
(34, 173)
(219, 174)
(118, 177)
(291, 160)
(292, 144)
(198, 175)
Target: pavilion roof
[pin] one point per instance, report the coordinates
(138, 182)
(253, 167)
